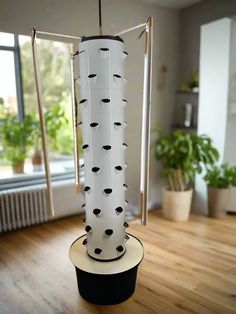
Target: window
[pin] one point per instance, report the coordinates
(18, 97)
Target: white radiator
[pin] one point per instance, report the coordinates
(26, 206)
(22, 207)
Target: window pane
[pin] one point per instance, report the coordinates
(6, 39)
(54, 66)
(7, 80)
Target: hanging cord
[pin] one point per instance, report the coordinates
(145, 30)
(100, 17)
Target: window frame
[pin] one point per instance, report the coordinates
(18, 76)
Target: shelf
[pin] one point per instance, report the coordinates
(187, 93)
(182, 128)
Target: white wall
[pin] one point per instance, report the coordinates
(80, 17)
(214, 90)
(191, 19)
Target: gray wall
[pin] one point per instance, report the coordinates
(80, 17)
(191, 19)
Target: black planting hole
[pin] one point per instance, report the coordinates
(93, 124)
(118, 168)
(84, 242)
(83, 205)
(126, 202)
(108, 191)
(82, 101)
(107, 147)
(127, 237)
(82, 166)
(120, 248)
(84, 220)
(117, 124)
(88, 228)
(98, 251)
(125, 186)
(126, 225)
(96, 211)
(119, 210)
(95, 169)
(117, 75)
(108, 232)
(87, 188)
(104, 49)
(125, 145)
(125, 53)
(106, 100)
(92, 75)
(85, 146)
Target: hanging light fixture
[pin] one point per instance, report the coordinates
(106, 257)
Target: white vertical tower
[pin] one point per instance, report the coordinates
(101, 60)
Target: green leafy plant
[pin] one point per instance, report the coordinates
(16, 137)
(182, 156)
(55, 120)
(221, 177)
(194, 80)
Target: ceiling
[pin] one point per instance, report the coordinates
(175, 4)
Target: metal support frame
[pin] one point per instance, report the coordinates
(42, 123)
(145, 140)
(74, 121)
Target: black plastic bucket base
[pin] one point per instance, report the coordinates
(106, 289)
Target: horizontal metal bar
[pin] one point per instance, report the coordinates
(130, 29)
(56, 34)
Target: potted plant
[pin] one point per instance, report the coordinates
(193, 84)
(54, 120)
(16, 138)
(219, 180)
(182, 156)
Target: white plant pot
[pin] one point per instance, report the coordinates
(176, 205)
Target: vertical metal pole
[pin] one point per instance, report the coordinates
(74, 122)
(145, 139)
(42, 122)
(100, 17)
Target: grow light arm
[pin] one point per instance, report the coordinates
(145, 137)
(75, 122)
(42, 123)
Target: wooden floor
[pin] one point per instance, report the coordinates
(188, 268)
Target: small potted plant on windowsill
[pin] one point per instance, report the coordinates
(16, 139)
(219, 180)
(182, 156)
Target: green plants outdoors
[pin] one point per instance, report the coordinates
(55, 120)
(182, 156)
(219, 180)
(16, 139)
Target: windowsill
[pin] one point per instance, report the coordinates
(60, 170)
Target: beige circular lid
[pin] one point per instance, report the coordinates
(132, 257)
